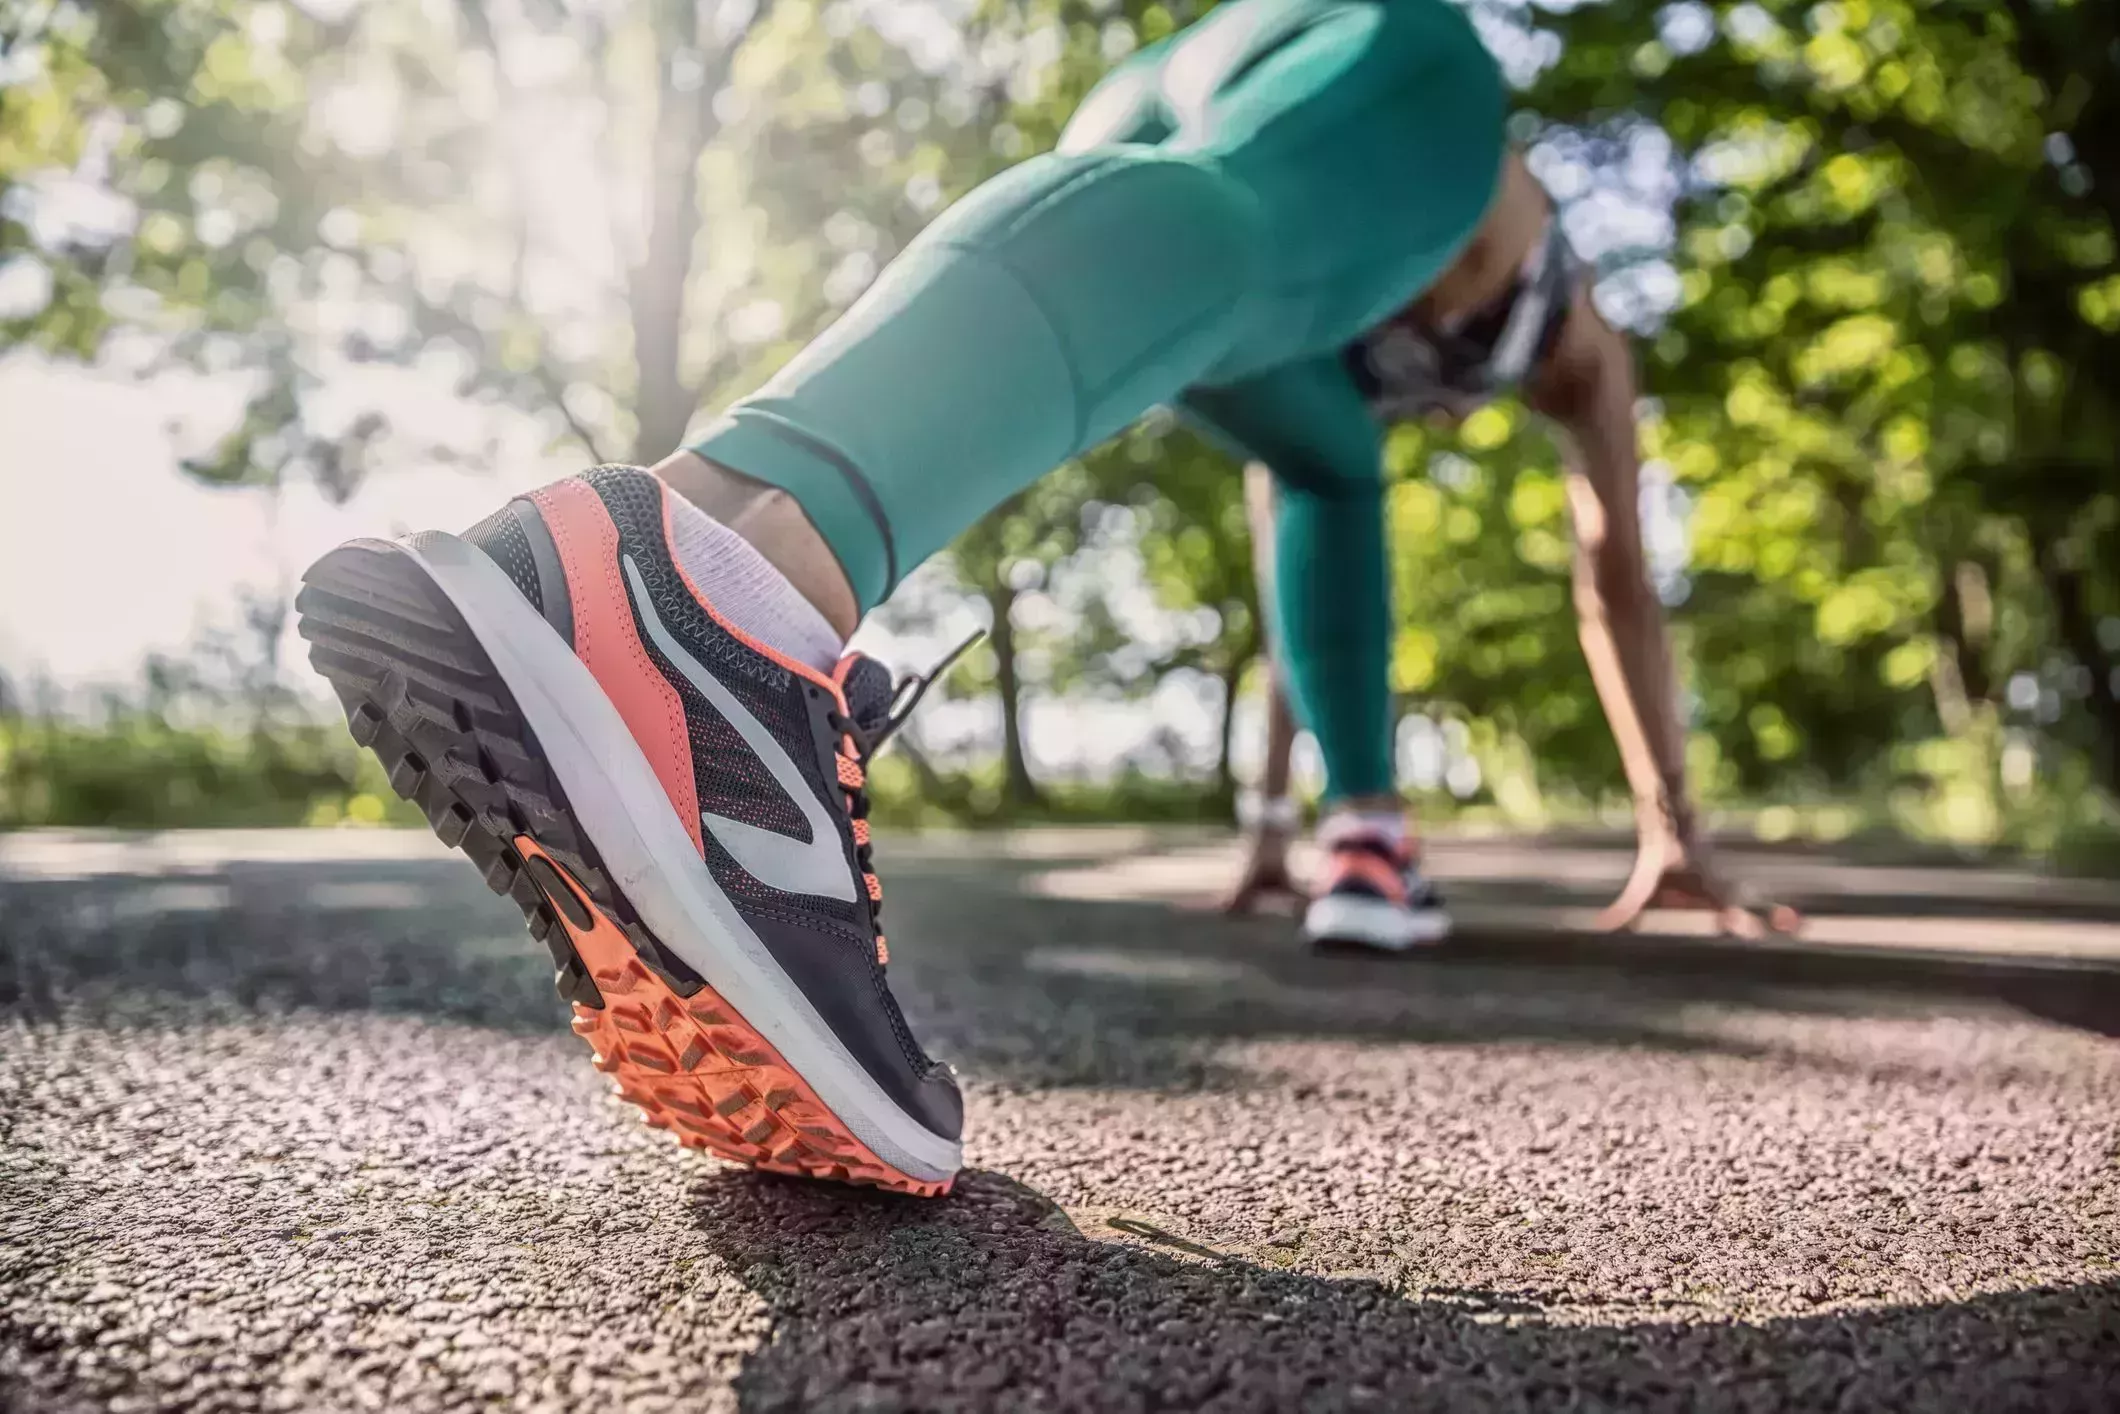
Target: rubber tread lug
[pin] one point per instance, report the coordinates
(558, 891)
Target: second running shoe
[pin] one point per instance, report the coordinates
(1373, 895)
(679, 811)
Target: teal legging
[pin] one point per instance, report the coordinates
(1227, 210)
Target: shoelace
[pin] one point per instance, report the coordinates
(859, 741)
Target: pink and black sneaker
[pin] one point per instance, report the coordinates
(1372, 893)
(679, 810)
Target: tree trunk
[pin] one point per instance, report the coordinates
(1018, 789)
(687, 34)
(1965, 616)
(1224, 801)
(2079, 634)
(655, 288)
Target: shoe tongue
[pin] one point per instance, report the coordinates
(868, 688)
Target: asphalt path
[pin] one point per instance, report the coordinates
(294, 1122)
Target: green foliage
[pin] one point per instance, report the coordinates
(1888, 385)
(598, 219)
(904, 799)
(212, 737)
(136, 770)
(1878, 334)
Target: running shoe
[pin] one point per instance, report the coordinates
(678, 810)
(1372, 895)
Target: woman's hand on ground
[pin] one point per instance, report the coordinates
(1265, 876)
(1675, 874)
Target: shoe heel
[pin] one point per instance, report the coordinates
(422, 696)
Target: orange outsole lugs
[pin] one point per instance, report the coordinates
(696, 1068)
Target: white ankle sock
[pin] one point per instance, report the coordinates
(747, 590)
(1390, 824)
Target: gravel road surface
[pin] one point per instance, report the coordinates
(293, 1121)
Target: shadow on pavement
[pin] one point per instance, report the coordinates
(1015, 988)
(419, 937)
(1534, 871)
(996, 1299)
(1099, 993)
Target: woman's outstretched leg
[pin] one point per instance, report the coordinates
(1041, 314)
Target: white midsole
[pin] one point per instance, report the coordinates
(622, 807)
(1376, 922)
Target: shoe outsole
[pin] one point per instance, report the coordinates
(424, 698)
(1336, 923)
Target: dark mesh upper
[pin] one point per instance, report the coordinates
(728, 775)
(869, 689)
(741, 781)
(737, 784)
(501, 536)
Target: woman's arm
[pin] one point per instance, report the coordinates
(1272, 818)
(1587, 386)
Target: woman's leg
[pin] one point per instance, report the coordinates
(1331, 591)
(1041, 314)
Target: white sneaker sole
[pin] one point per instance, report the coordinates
(1373, 923)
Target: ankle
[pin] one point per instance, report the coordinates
(1376, 803)
(771, 521)
(1368, 817)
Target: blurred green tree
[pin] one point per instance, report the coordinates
(1889, 384)
(1870, 247)
(602, 217)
